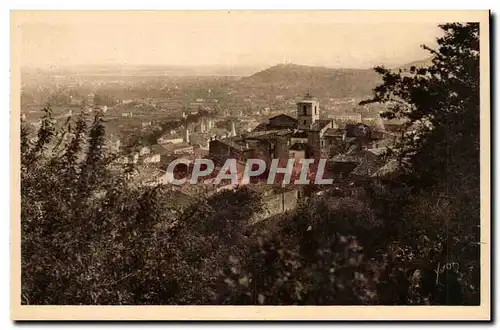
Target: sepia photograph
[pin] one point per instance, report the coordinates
(250, 165)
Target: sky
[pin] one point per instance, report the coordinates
(222, 38)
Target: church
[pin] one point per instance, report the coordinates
(284, 137)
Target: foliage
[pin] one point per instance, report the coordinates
(440, 104)
(308, 262)
(439, 223)
(90, 237)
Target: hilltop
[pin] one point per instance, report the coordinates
(292, 78)
(321, 81)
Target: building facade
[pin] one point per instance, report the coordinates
(283, 137)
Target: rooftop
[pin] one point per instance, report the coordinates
(266, 134)
(343, 158)
(236, 143)
(299, 134)
(308, 98)
(306, 101)
(334, 132)
(260, 127)
(391, 167)
(320, 124)
(283, 116)
(158, 149)
(335, 114)
(177, 146)
(368, 167)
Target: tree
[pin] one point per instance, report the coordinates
(441, 106)
(440, 148)
(91, 237)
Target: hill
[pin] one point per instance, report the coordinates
(321, 81)
(418, 64)
(294, 79)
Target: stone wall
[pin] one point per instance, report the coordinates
(277, 203)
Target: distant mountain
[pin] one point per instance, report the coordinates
(320, 81)
(417, 64)
(144, 70)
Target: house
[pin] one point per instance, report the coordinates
(169, 140)
(335, 134)
(128, 159)
(261, 127)
(221, 149)
(345, 117)
(297, 151)
(363, 163)
(179, 148)
(173, 137)
(152, 159)
(299, 137)
(158, 149)
(281, 121)
(218, 133)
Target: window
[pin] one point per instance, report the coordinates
(315, 110)
(305, 121)
(304, 109)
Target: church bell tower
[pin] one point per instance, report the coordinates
(307, 112)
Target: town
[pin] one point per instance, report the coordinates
(192, 119)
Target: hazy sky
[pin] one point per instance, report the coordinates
(221, 38)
